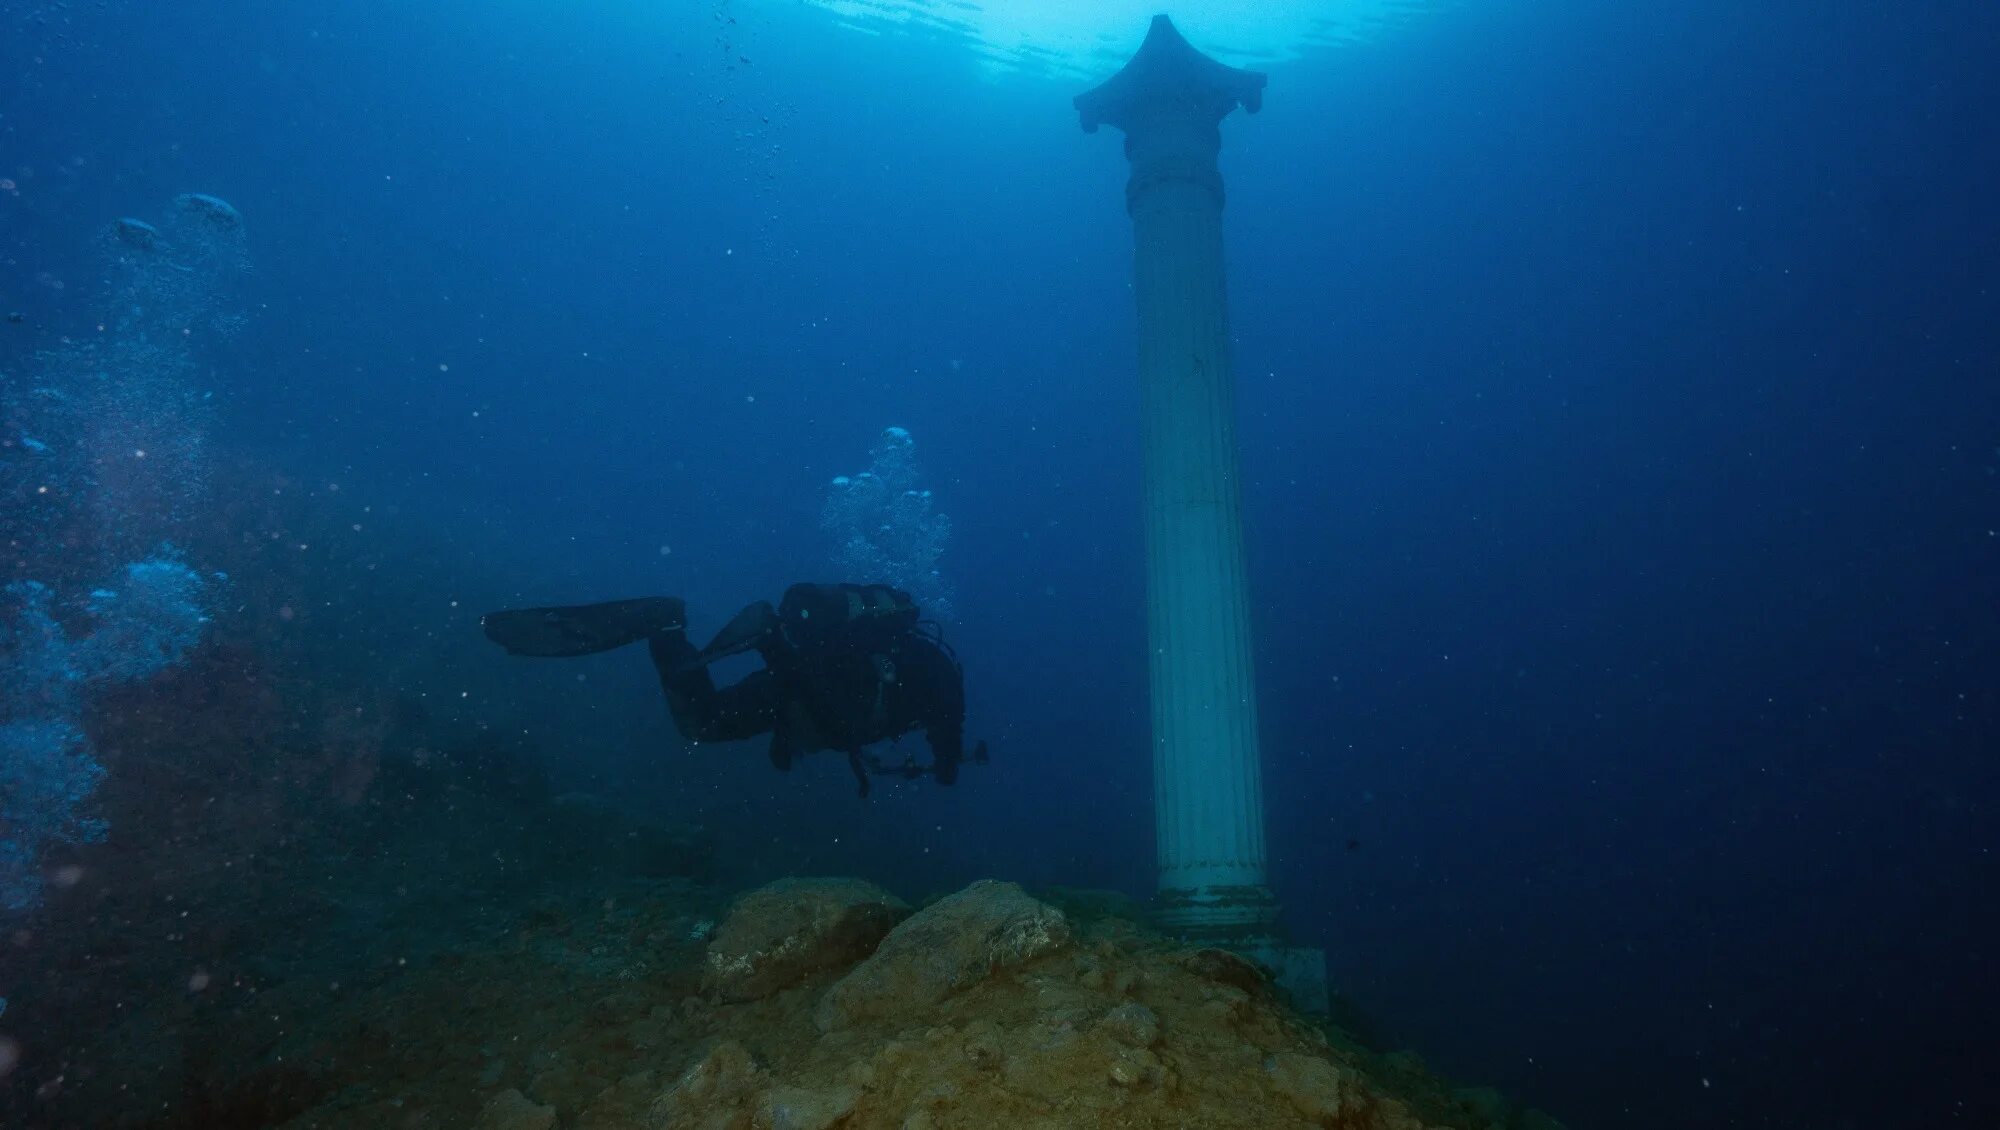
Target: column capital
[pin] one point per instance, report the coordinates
(1169, 80)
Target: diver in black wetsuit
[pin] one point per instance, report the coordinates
(845, 666)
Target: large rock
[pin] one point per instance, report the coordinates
(951, 944)
(798, 1108)
(780, 934)
(1313, 1086)
(726, 1090)
(512, 1110)
(713, 1094)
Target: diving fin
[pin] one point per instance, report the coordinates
(747, 630)
(583, 629)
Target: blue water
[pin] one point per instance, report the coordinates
(1620, 420)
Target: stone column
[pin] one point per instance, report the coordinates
(1169, 101)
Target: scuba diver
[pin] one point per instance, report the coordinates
(845, 666)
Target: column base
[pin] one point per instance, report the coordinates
(1231, 917)
(1244, 920)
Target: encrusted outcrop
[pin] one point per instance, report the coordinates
(953, 943)
(986, 1008)
(512, 1110)
(712, 1094)
(785, 932)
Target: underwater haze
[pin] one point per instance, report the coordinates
(1618, 394)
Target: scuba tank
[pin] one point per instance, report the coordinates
(819, 618)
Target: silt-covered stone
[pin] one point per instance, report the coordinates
(953, 943)
(784, 932)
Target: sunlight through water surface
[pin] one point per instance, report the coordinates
(1085, 38)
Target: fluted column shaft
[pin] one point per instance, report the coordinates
(1207, 782)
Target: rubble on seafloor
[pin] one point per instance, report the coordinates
(817, 1003)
